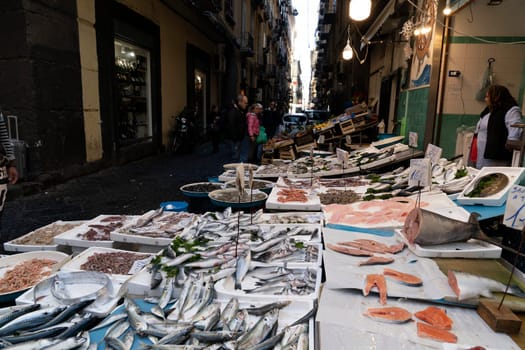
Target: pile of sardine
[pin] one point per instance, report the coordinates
(197, 320)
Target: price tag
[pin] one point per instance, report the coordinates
(320, 139)
(419, 172)
(239, 178)
(342, 155)
(433, 153)
(139, 265)
(514, 216)
(412, 139)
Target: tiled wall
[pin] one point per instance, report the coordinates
(412, 112)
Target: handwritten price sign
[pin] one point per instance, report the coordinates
(514, 216)
(433, 153)
(419, 173)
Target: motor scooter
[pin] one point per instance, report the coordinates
(182, 139)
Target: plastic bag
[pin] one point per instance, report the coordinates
(262, 137)
(474, 150)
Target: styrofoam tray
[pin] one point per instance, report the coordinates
(225, 288)
(19, 247)
(76, 263)
(73, 237)
(513, 173)
(315, 237)
(45, 297)
(313, 203)
(471, 249)
(287, 315)
(299, 263)
(291, 218)
(10, 261)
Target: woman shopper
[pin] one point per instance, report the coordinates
(8, 172)
(249, 152)
(494, 128)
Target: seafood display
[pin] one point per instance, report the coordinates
(200, 188)
(113, 263)
(338, 196)
(488, 185)
(232, 196)
(158, 224)
(25, 274)
(45, 235)
(390, 314)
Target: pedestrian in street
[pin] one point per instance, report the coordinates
(249, 144)
(494, 128)
(8, 171)
(271, 119)
(215, 128)
(235, 125)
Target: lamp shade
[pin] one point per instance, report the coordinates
(347, 51)
(360, 9)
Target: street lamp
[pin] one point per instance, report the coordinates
(360, 9)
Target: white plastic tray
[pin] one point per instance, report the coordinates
(76, 263)
(225, 288)
(514, 174)
(18, 247)
(73, 237)
(284, 218)
(10, 261)
(316, 238)
(313, 203)
(471, 249)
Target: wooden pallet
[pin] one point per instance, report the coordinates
(306, 147)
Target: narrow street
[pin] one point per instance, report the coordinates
(133, 189)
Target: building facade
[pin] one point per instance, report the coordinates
(99, 82)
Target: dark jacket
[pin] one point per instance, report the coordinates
(497, 135)
(234, 124)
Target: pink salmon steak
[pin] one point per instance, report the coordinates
(424, 227)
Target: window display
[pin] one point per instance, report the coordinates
(132, 76)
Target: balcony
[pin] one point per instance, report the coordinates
(247, 44)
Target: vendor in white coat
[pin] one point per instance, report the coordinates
(494, 128)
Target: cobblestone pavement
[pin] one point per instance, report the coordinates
(132, 189)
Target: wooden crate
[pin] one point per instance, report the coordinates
(287, 153)
(306, 147)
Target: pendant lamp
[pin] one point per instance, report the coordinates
(360, 9)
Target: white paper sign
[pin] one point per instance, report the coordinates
(419, 173)
(514, 216)
(320, 139)
(412, 139)
(342, 155)
(433, 153)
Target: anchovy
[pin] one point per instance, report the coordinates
(207, 318)
(66, 344)
(177, 335)
(147, 218)
(265, 245)
(215, 336)
(260, 331)
(135, 317)
(229, 312)
(242, 266)
(165, 297)
(268, 343)
(263, 309)
(117, 329)
(110, 320)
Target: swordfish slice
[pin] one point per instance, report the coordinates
(404, 278)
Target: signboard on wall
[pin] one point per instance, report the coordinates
(422, 50)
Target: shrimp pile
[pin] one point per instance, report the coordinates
(26, 274)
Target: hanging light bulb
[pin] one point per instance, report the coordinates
(360, 9)
(447, 10)
(348, 53)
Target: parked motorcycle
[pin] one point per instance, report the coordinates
(183, 139)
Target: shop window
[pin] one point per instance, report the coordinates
(132, 76)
